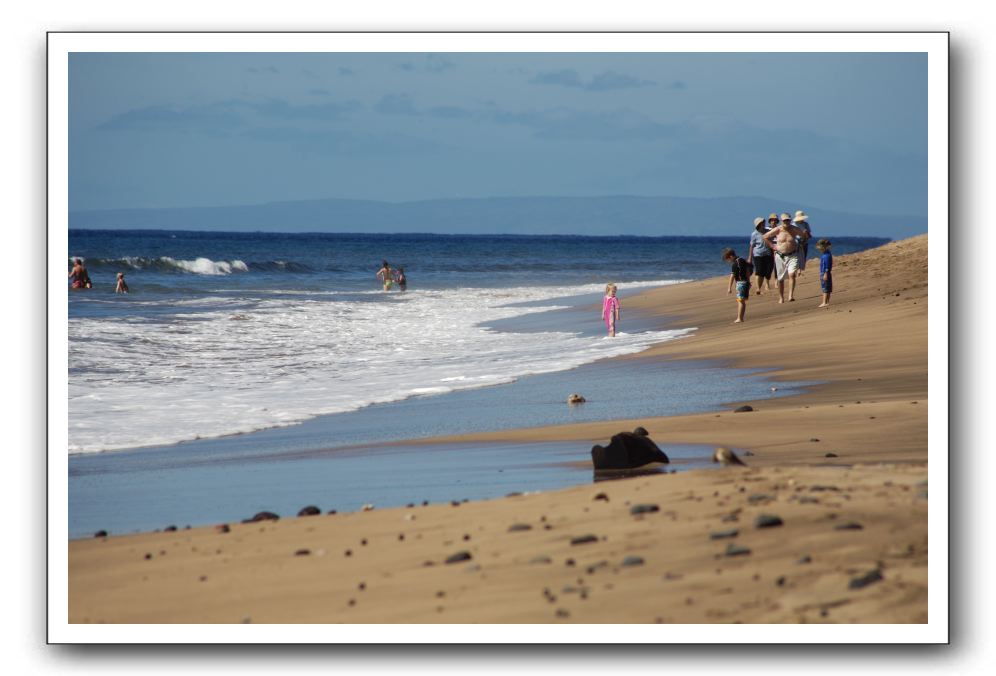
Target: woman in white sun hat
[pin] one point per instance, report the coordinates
(801, 221)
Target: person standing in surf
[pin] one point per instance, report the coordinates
(387, 275)
(399, 277)
(610, 309)
(79, 275)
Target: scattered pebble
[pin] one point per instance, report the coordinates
(814, 439)
(805, 558)
(632, 561)
(310, 510)
(302, 552)
(458, 557)
(830, 455)
(780, 582)
(569, 562)
(100, 534)
(849, 525)
(542, 558)
(584, 539)
(767, 521)
(645, 508)
(349, 552)
(562, 612)
(362, 586)
(720, 534)
(863, 581)
(743, 409)
(170, 529)
(759, 497)
(601, 496)
(736, 550)
(148, 556)
(516, 527)
(223, 528)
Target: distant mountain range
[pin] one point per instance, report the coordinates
(623, 215)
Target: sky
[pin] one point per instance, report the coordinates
(842, 131)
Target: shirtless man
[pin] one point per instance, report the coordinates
(786, 254)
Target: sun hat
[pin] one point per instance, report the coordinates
(786, 217)
(772, 217)
(758, 221)
(800, 217)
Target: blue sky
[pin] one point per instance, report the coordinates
(844, 131)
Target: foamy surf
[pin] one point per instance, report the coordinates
(195, 373)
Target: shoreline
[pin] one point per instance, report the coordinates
(869, 411)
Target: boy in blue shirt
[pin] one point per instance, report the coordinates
(826, 270)
(740, 272)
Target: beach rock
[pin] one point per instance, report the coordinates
(644, 508)
(743, 409)
(595, 567)
(627, 451)
(813, 439)
(632, 561)
(518, 527)
(310, 510)
(601, 496)
(100, 534)
(584, 539)
(170, 529)
(575, 399)
(641, 431)
(725, 456)
(767, 521)
(302, 552)
(721, 534)
(223, 528)
(863, 581)
(262, 516)
(805, 558)
(755, 498)
(541, 559)
(458, 557)
(849, 525)
(830, 455)
(736, 550)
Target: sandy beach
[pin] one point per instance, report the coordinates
(827, 523)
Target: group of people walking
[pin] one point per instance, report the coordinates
(780, 247)
(390, 277)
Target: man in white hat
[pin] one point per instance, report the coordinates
(782, 240)
(801, 221)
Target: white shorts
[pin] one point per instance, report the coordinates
(786, 265)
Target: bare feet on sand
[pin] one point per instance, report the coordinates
(737, 321)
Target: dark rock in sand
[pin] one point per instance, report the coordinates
(542, 558)
(743, 409)
(863, 581)
(736, 550)
(458, 557)
(819, 488)
(641, 431)
(100, 534)
(584, 539)
(781, 581)
(805, 558)
(830, 455)
(302, 552)
(170, 529)
(517, 527)
(646, 508)
(632, 561)
(310, 510)
(262, 516)
(767, 521)
(849, 525)
(223, 528)
(562, 612)
(759, 497)
(720, 534)
(601, 496)
(627, 451)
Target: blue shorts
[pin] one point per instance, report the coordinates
(827, 284)
(743, 291)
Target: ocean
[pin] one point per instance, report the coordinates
(233, 346)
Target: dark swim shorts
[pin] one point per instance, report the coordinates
(764, 266)
(827, 284)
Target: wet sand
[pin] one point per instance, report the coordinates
(843, 466)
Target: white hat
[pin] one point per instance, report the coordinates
(758, 221)
(785, 217)
(800, 217)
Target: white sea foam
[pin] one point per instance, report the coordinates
(200, 374)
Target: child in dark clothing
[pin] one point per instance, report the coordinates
(740, 272)
(826, 270)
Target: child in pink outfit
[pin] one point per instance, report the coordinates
(610, 308)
